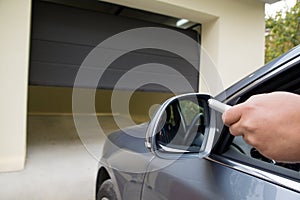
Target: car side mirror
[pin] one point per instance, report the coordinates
(182, 124)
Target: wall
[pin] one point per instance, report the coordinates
(232, 33)
(14, 53)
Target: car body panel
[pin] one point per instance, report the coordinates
(139, 173)
(194, 178)
(126, 159)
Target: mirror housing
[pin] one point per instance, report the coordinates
(188, 124)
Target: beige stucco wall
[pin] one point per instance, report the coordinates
(232, 33)
(14, 53)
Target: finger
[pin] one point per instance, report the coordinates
(233, 114)
(236, 130)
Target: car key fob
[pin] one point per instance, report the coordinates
(218, 106)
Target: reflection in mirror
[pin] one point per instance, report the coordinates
(181, 128)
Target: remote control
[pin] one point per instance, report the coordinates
(218, 106)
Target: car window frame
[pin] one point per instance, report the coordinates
(278, 175)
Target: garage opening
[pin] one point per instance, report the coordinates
(64, 32)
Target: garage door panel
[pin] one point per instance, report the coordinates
(64, 53)
(137, 58)
(63, 36)
(72, 25)
(88, 28)
(51, 74)
(67, 75)
(58, 52)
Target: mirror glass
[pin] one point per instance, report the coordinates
(182, 125)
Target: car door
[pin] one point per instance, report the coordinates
(173, 173)
(234, 169)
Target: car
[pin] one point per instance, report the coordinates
(186, 152)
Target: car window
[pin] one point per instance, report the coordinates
(239, 150)
(182, 126)
(248, 150)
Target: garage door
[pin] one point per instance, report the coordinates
(63, 36)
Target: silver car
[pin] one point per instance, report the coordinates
(185, 151)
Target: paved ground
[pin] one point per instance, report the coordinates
(58, 166)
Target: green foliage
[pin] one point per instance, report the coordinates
(283, 32)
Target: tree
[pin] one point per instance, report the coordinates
(282, 32)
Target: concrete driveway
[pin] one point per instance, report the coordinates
(58, 166)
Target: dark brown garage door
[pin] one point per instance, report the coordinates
(63, 36)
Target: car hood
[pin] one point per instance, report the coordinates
(125, 150)
(130, 138)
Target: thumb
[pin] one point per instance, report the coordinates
(233, 115)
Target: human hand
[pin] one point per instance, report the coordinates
(270, 123)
